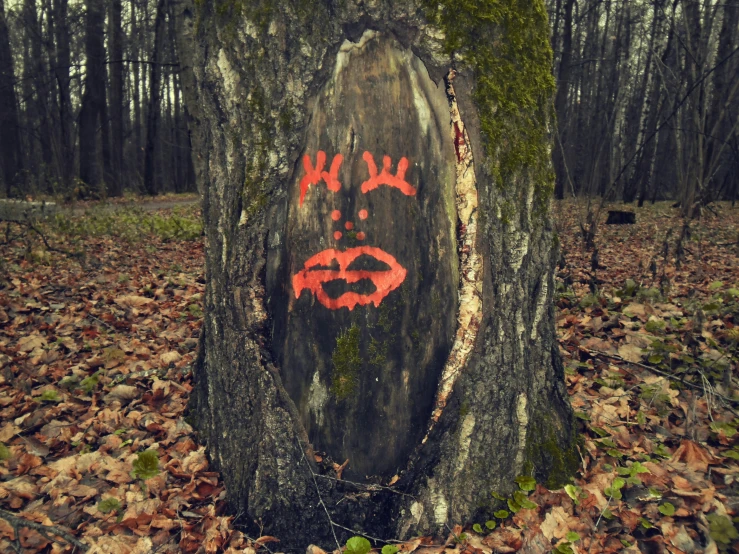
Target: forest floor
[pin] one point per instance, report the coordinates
(99, 318)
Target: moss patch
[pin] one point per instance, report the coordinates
(347, 362)
(551, 453)
(506, 43)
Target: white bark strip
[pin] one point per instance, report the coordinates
(469, 314)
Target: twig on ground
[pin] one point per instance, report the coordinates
(367, 487)
(320, 499)
(17, 522)
(664, 374)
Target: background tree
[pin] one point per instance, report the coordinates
(267, 86)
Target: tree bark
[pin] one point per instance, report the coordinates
(152, 118)
(64, 102)
(93, 99)
(560, 103)
(10, 144)
(115, 184)
(445, 371)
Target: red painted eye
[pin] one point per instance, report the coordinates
(363, 214)
(337, 235)
(336, 215)
(349, 225)
(360, 235)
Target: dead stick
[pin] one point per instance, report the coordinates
(658, 372)
(17, 521)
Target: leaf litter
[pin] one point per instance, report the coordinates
(95, 361)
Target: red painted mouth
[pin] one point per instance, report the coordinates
(321, 269)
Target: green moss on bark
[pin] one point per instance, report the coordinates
(551, 454)
(506, 43)
(347, 362)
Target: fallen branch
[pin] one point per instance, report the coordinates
(658, 372)
(17, 522)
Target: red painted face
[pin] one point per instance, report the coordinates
(322, 268)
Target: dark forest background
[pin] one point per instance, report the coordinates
(647, 101)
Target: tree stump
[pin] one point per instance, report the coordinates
(618, 217)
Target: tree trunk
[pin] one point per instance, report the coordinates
(61, 74)
(115, 185)
(152, 120)
(94, 97)
(560, 104)
(10, 144)
(379, 262)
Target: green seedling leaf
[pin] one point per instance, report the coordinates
(490, 524)
(50, 396)
(119, 431)
(501, 514)
(638, 467)
(721, 529)
(573, 492)
(357, 545)
(512, 506)
(728, 429)
(733, 454)
(623, 470)
(389, 549)
(572, 536)
(618, 483)
(498, 496)
(477, 528)
(667, 509)
(715, 285)
(88, 384)
(146, 466)
(582, 415)
(520, 498)
(655, 359)
(645, 523)
(633, 481)
(600, 431)
(654, 493)
(526, 483)
(108, 505)
(614, 453)
(608, 514)
(564, 548)
(4, 452)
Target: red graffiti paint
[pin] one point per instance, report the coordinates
(337, 235)
(363, 214)
(349, 225)
(314, 279)
(314, 175)
(360, 235)
(385, 178)
(336, 215)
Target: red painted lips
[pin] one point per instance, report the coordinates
(317, 271)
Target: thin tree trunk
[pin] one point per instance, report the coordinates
(61, 74)
(10, 143)
(94, 98)
(152, 120)
(115, 184)
(561, 103)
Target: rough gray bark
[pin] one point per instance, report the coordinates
(152, 114)
(94, 98)
(10, 145)
(254, 80)
(115, 186)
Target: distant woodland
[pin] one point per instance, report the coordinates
(647, 103)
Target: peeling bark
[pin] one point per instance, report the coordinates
(252, 78)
